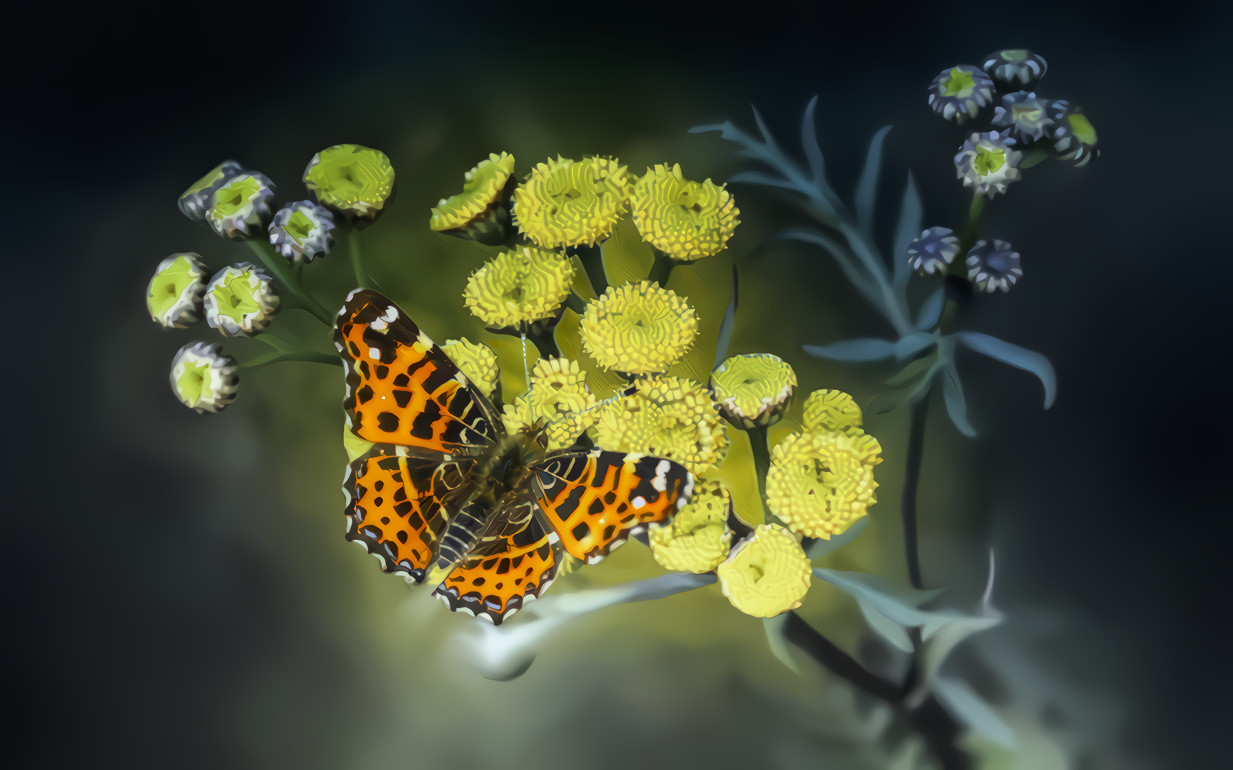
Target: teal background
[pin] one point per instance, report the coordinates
(179, 589)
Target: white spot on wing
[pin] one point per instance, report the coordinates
(660, 482)
(638, 502)
(374, 354)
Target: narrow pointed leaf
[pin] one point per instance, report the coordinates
(759, 177)
(1021, 358)
(970, 709)
(931, 309)
(809, 142)
(956, 404)
(911, 372)
(774, 628)
(867, 185)
(819, 548)
(884, 627)
(864, 349)
(725, 326)
(907, 229)
(908, 346)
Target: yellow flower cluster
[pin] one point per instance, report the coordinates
(517, 288)
(567, 203)
(697, 538)
(483, 190)
(558, 400)
(766, 573)
(638, 328)
(669, 417)
(753, 390)
(685, 220)
(476, 361)
(821, 477)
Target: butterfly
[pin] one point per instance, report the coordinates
(445, 494)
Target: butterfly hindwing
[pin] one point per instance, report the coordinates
(401, 388)
(597, 500)
(399, 507)
(514, 560)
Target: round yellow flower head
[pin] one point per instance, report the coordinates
(685, 220)
(353, 180)
(697, 538)
(753, 390)
(821, 482)
(477, 212)
(557, 398)
(519, 287)
(670, 417)
(476, 361)
(570, 203)
(767, 573)
(832, 410)
(638, 328)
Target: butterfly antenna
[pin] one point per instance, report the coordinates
(526, 372)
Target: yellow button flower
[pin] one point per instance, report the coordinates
(638, 328)
(670, 417)
(478, 212)
(558, 399)
(571, 203)
(174, 294)
(519, 287)
(832, 410)
(697, 538)
(354, 180)
(476, 361)
(753, 390)
(821, 482)
(767, 573)
(685, 220)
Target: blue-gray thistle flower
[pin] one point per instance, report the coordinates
(993, 266)
(1015, 68)
(960, 92)
(1072, 134)
(302, 231)
(987, 162)
(1025, 114)
(933, 251)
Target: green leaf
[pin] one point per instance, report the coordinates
(627, 258)
(775, 639)
(912, 371)
(867, 186)
(819, 548)
(956, 404)
(907, 229)
(931, 309)
(863, 349)
(1021, 358)
(809, 142)
(970, 709)
(941, 644)
(898, 602)
(885, 627)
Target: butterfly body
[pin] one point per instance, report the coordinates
(445, 494)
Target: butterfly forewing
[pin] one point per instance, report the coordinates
(401, 388)
(400, 507)
(597, 500)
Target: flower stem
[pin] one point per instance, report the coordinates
(916, 449)
(592, 259)
(357, 260)
(661, 268)
(759, 444)
(288, 351)
(278, 266)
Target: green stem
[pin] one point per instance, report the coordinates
(661, 268)
(276, 357)
(357, 260)
(592, 259)
(545, 341)
(759, 444)
(278, 266)
(971, 228)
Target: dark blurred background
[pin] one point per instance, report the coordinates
(179, 592)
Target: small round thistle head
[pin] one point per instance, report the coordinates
(959, 92)
(1072, 134)
(1015, 69)
(684, 219)
(174, 294)
(204, 379)
(520, 287)
(987, 162)
(832, 410)
(196, 201)
(558, 399)
(933, 251)
(302, 231)
(240, 300)
(565, 203)
(670, 417)
(754, 389)
(481, 211)
(351, 179)
(476, 361)
(1025, 114)
(698, 538)
(241, 206)
(993, 266)
(638, 328)
(767, 573)
(821, 482)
